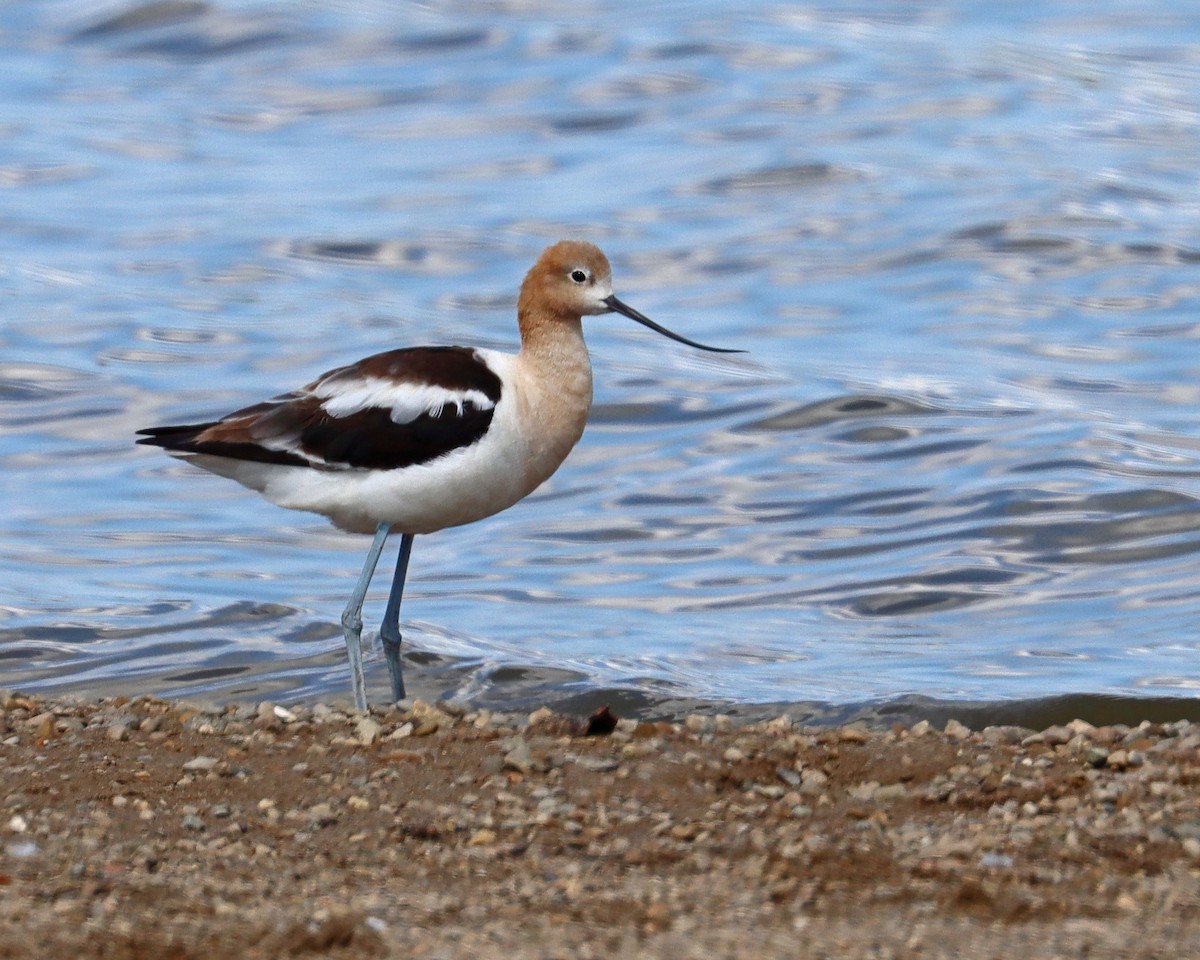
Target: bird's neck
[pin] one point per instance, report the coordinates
(553, 351)
(556, 385)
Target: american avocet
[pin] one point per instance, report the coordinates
(423, 438)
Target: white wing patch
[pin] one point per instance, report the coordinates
(407, 401)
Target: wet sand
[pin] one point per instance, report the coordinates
(148, 828)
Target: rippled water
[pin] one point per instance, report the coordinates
(960, 459)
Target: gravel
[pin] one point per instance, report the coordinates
(146, 828)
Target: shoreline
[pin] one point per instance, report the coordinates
(145, 827)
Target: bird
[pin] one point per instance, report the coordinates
(418, 439)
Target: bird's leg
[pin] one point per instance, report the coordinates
(389, 630)
(352, 618)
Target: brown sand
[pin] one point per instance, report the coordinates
(145, 828)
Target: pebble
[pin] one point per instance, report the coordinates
(598, 764)
(22, 850)
(322, 815)
(1004, 734)
(404, 730)
(367, 730)
(1096, 756)
(118, 730)
(957, 730)
(540, 715)
(518, 757)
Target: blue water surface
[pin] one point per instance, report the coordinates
(958, 241)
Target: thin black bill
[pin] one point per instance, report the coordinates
(623, 308)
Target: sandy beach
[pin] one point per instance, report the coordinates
(147, 828)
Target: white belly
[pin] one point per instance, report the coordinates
(530, 435)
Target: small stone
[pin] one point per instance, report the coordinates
(200, 764)
(780, 725)
(598, 764)
(921, 728)
(1188, 830)
(539, 715)
(1081, 728)
(1096, 756)
(192, 822)
(852, 735)
(367, 730)
(117, 731)
(1191, 846)
(698, 723)
(1004, 734)
(482, 838)
(284, 714)
(322, 815)
(22, 850)
(421, 710)
(864, 792)
(518, 757)
(956, 730)
(812, 782)
(790, 777)
(42, 725)
(1117, 760)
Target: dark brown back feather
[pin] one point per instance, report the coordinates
(295, 430)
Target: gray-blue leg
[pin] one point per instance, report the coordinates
(389, 630)
(352, 618)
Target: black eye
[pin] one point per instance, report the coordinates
(579, 276)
